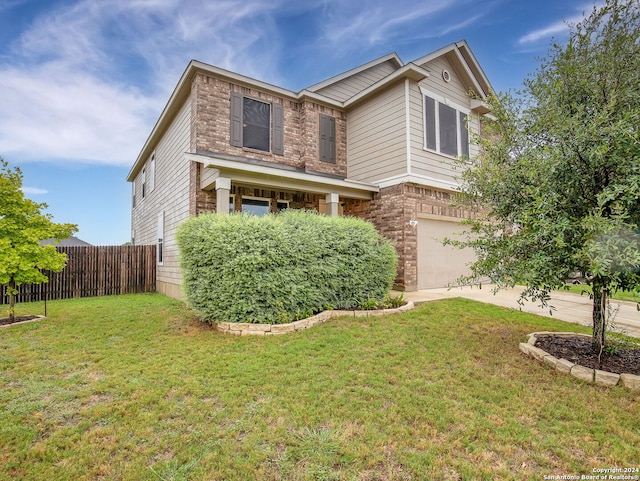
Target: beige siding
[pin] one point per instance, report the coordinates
(376, 143)
(346, 88)
(171, 195)
(424, 162)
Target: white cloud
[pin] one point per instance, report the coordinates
(69, 115)
(34, 190)
(86, 82)
(544, 33)
(558, 27)
(88, 78)
(366, 23)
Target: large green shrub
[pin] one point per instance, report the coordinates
(278, 268)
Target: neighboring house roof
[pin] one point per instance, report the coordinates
(69, 242)
(457, 53)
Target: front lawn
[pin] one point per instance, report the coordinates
(134, 388)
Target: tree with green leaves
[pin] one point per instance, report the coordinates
(558, 177)
(22, 226)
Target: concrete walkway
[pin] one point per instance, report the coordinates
(568, 307)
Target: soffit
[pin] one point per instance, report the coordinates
(284, 178)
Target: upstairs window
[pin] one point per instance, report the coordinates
(256, 124)
(445, 127)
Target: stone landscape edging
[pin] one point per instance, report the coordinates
(36, 318)
(246, 329)
(601, 378)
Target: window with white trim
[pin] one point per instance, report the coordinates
(445, 126)
(144, 182)
(151, 177)
(282, 205)
(256, 205)
(160, 246)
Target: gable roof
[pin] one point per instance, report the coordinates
(392, 58)
(459, 54)
(461, 57)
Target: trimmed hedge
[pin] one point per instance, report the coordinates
(279, 268)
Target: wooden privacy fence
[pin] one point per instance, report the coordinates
(95, 271)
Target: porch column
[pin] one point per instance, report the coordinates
(223, 189)
(333, 201)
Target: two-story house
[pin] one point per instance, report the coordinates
(376, 142)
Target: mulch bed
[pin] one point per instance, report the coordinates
(578, 351)
(6, 321)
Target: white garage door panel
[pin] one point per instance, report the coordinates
(438, 265)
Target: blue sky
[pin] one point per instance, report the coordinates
(82, 82)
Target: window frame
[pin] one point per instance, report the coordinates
(260, 199)
(438, 100)
(160, 244)
(237, 124)
(151, 173)
(245, 123)
(280, 203)
(144, 181)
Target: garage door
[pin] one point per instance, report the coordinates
(438, 265)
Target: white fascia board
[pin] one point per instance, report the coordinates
(459, 48)
(474, 80)
(471, 59)
(325, 83)
(239, 78)
(273, 176)
(418, 179)
(410, 71)
(433, 55)
(258, 84)
(169, 110)
(307, 94)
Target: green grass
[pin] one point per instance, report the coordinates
(585, 290)
(135, 388)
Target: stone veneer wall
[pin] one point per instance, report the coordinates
(391, 210)
(210, 126)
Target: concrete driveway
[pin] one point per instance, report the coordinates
(568, 307)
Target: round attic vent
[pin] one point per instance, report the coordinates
(446, 76)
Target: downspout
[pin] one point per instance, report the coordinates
(404, 199)
(407, 123)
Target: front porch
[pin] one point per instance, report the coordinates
(224, 184)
